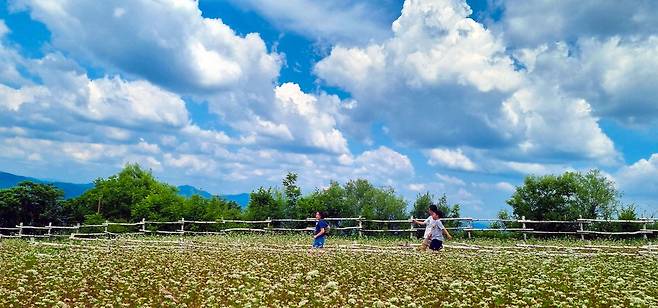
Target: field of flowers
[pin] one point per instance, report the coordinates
(278, 271)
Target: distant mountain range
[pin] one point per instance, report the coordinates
(72, 190)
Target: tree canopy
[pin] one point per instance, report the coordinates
(568, 196)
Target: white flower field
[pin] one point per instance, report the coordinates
(279, 271)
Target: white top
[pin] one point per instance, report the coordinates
(435, 228)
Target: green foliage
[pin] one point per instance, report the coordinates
(292, 194)
(218, 208)
(31, 204)
(449, 211)
(129, 195)
(597, 195)
(264, 203)
(628, 212)
(422, 204)
(565, 197)
(134, 194)
(332, 200)
(94, 219)
(371, 202)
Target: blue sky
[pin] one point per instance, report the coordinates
(458, 97)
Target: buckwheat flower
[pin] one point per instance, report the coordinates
(331, 285)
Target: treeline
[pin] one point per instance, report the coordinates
(568, 197)
(134, 194)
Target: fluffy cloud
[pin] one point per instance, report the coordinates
(434, 43)
(172, 46)
(307, 120)
(105, 108)
(551, 124)
(640, 178)
(384, 162)
(167, 42)
(450, 159)
(528, 23)
(445, 80)
(618, 76)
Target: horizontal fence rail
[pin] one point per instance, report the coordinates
(354, 224)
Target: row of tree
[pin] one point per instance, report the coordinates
(134, 193)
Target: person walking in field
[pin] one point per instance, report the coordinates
(321, 228)
(434, 230)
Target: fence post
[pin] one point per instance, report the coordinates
(525, 235)
(106, 224)
(411, 228)
(77, 230)
(20, 230)
(470, 226)
(182, 226)
(582, 229)
(644, 228)
(269, 224)
(50, 226)
(143, 230)
(360, 226)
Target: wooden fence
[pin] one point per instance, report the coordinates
(581, 227)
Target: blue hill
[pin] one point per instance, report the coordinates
(189, 191)
(72, 190)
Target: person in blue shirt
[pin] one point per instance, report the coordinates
(320, 233)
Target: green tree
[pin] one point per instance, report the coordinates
(263, 203)
(292, 194)
(132, 194)
(162, 203)
(421, 205)
(628, 212)
(597, 195)
(565, 197)
(546, 197)
(330, 200)
(359, 197)
(356, 197)
(449, 211)
(32, 204)
(217, 208)
(384, 204)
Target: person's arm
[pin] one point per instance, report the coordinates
(447, 234)
(319, 233)
(418, 221)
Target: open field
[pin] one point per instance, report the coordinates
(278, 271)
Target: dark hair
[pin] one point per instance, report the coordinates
(322, 214)
(435, 210)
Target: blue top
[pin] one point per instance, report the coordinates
(319, 225)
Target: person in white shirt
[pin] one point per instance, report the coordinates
(434, 230)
